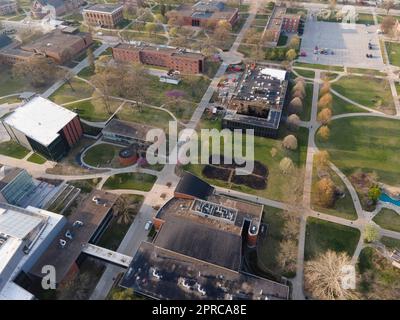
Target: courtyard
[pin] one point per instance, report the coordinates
(350, 46)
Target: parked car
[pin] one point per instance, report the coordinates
(303, 54)
(148, 225)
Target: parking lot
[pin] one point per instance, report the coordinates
(349, 46)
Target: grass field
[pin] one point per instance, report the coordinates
(365, 18)
(13, 149)
(393, 50)
(306, 114)
(322, 235)
(10, 84)
(101, 155)
(37, 158)
(367, 143)
(86, 186)
(115, 231)
(94, 109)
(69, 93)
(371, 92)
(388, 219)
(268, 246)
(366, 71)
(390, 243)
(135, 181)
(318, 66)
(305, 73)
(145, 115)
(343, 207)
(340, 106)
(279, 186)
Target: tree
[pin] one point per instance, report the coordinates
(286, 165)
(332, 4)
(388, 24)
(371, 233)
(124, 294)
(321, 158)
(273, 152)
(300, 86)
(287, 256)
(90, 57)
(325, 101)
(162, 9)
(123, 211)
(294, 43)
(325, 88)
(296, 106)
(325, 116)
(257, 54)
(291, 54)
(290, 142)
(299, 79)
(323, 276)
(221, 32)
(387, 5)
(374, 193)
(293, 122)
(326, 192)
(38, 70)
(324, 133)
(291, 227)
(151, 28)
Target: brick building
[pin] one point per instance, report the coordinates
(279, 22)
(59, 45)
(184, 61)
(290, 23)
(54, 8)
(8, 7)
(105, 15)
(44, 127)
(207, 12)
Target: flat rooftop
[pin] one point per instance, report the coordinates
(56, 40)
(91, 215)
(141, 46)
(104, 8)
(40, 119)
(207, 10)
(164, 274)
(128, 129)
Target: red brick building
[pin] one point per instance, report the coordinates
(206, 12)
(291, 23)
(187, 62)
(105, 15)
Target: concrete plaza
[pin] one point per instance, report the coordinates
(350, 45)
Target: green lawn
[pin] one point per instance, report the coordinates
(13, 149)
(367, 143)
(86, 185)
(10, 84)
(268, 246)
(305, 73)
(391, 243)
(282, 40)
(86, 73)
(306, 114)
(378, 279)
(37, 158)
(183, 110)
(365, 18)
(68, 93)
(279, 186)
(366, 71)
(318, 66)
(142, 36)
(343, 207)
(115, 231)
(194, 88)
(370, 92)
(388, 219)
(146, 115)
(340, 106)
(393, 50)
(322, 235)
(101, 155)
(94, 109)
(136, 181)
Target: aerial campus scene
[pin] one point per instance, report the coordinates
(109, 190)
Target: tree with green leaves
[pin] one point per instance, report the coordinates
(291, 54)
(371, 233)
(374, 193)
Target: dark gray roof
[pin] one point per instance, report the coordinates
(4, 40)
(194, 186)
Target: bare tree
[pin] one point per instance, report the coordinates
(324, 133)
(323, 276)
(290, 142)
(325, 116)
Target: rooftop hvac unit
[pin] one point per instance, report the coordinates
(63, 243)
(68, 234)
(77, 224)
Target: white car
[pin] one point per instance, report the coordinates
(148, 225)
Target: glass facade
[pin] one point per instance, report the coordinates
(18, 188)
